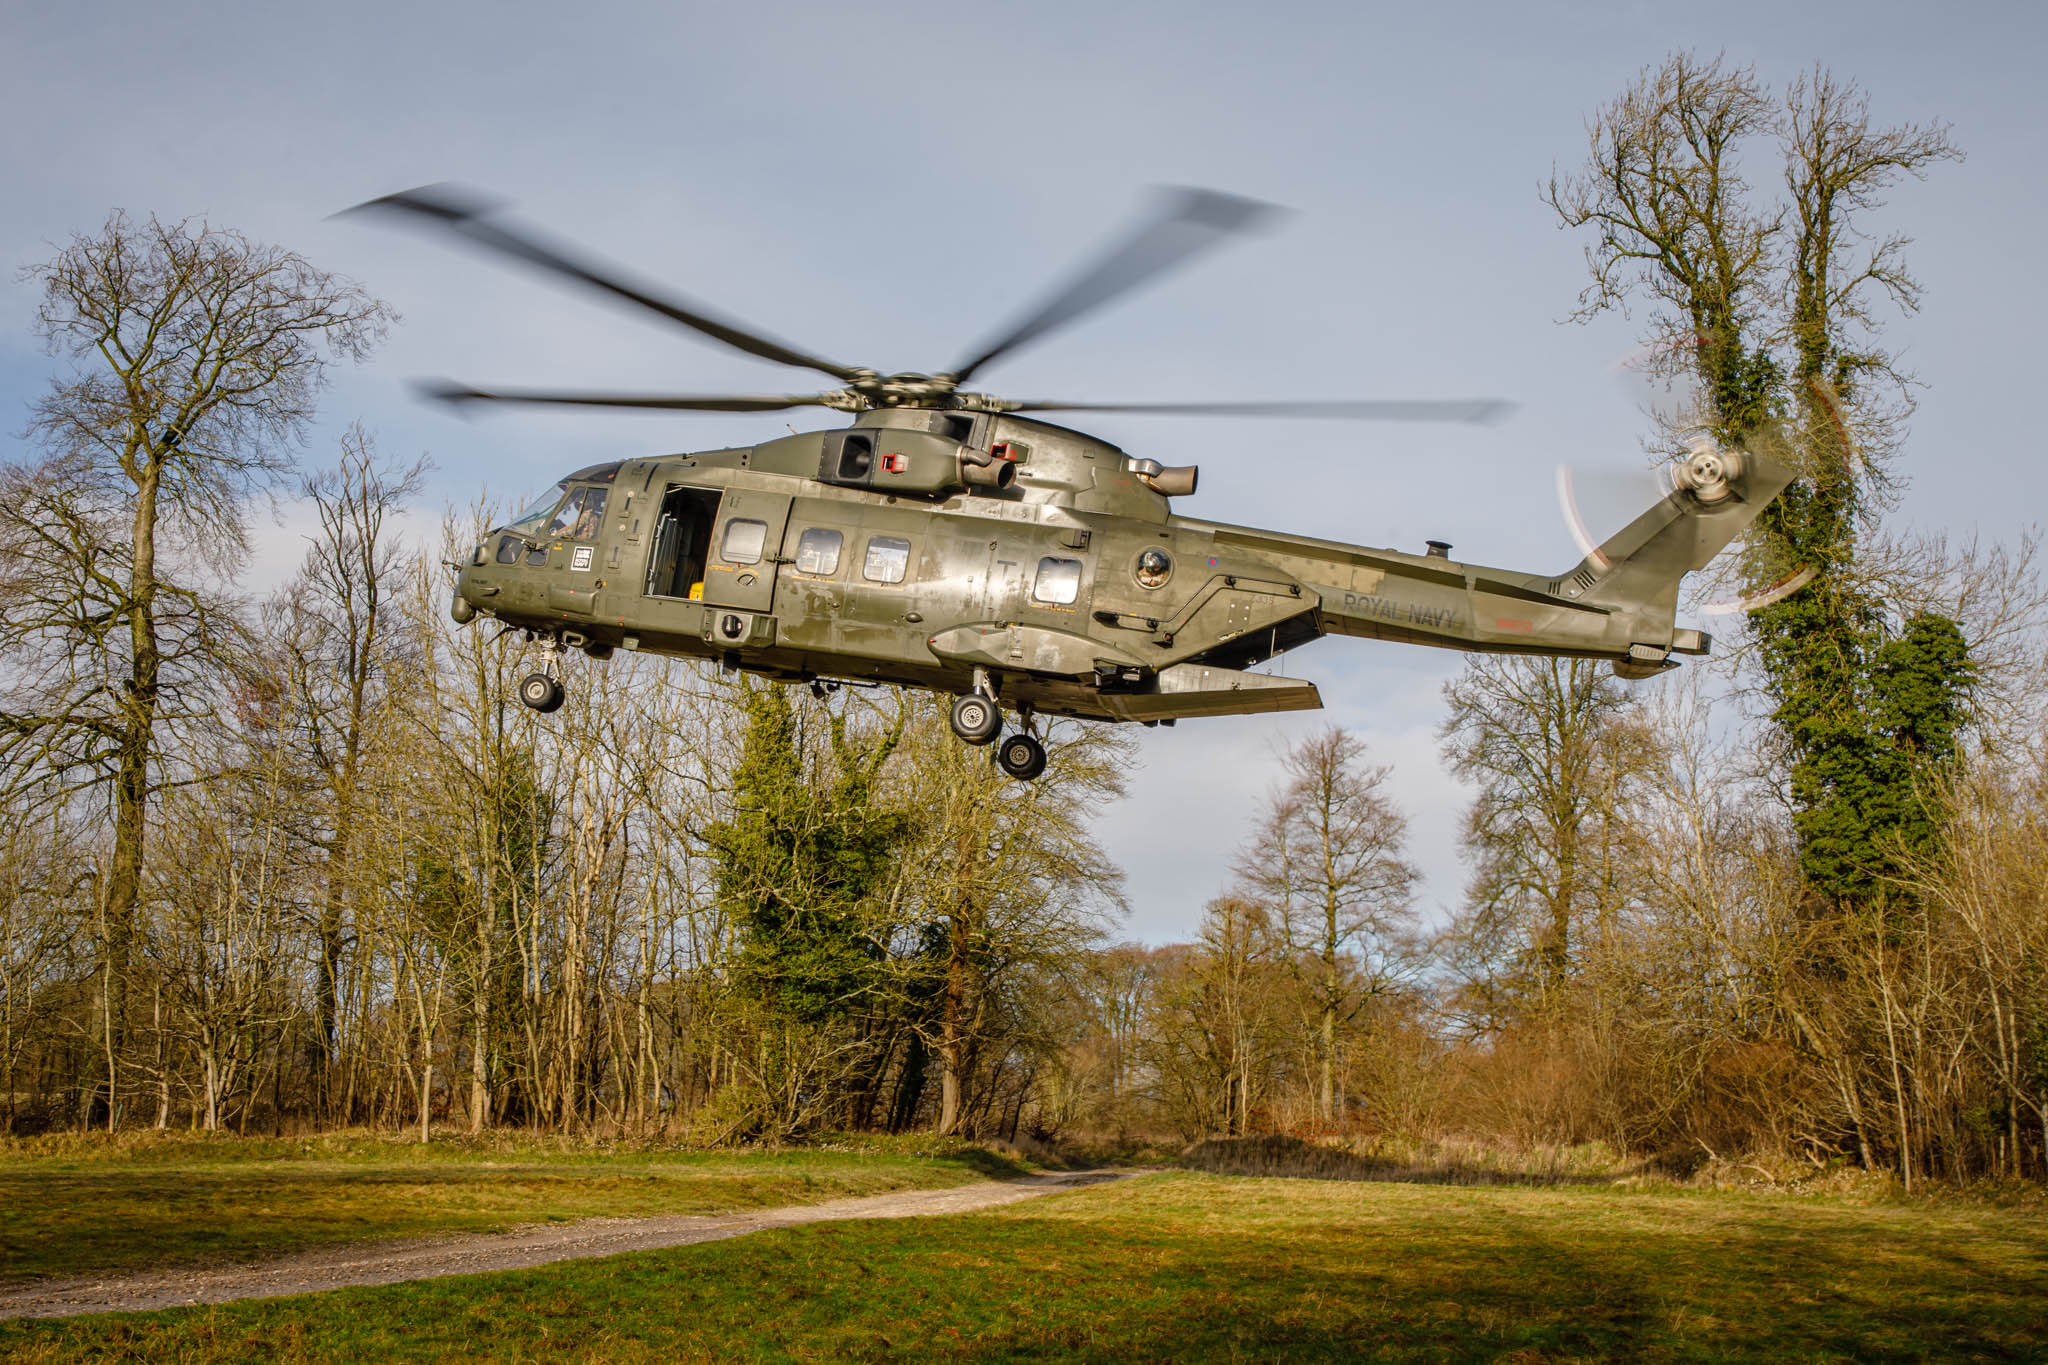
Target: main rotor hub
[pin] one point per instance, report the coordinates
(868, 389)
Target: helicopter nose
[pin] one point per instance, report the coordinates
(460, 607)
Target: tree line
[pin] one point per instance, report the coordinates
(305, 861)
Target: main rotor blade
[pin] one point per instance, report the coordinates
(1374, 410)
(467, 214)
(1182, 224)
(458, 394)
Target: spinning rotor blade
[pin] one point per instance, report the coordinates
(1375, 410)
(1598, 501)
(467, 214)
(458, 394)
(1183, 224)
(1608, 499)
(1663, 383)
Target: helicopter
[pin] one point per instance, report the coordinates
(948, 541)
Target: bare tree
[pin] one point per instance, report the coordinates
(198, 357)
(1837, 168)
(1009, 874)
(1545, 743)
(341, 638)
(1238, 952)
(1326, 866)
(1669, 208)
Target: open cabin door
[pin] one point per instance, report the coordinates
(681, 547)
(746, 549)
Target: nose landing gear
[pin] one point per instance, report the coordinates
(542, 690)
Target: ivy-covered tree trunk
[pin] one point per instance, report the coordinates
(1772, 306)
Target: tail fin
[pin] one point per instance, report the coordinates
(1638, 569)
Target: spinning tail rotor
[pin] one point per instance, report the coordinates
(1663, 383)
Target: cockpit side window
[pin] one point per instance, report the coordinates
(566, 519)
(536, 514)
(590, 520)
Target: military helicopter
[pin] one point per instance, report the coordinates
(946, 541)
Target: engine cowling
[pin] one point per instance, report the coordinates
(909, 463)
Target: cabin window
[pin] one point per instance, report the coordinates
(1154, 567)
(818, 551)
(744, 540)
(1059, 580)
(888, 559)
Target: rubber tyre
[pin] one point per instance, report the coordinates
(541, 693)
(976, 719)
(1021, 756)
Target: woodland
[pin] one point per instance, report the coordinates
(304, 862)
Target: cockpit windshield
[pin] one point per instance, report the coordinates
(536, 515)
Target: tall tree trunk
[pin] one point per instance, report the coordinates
(1328, 1097)
(163, 1061)
(131, 779)
(952, 1029)
(909, 1085)
(480, 1020)
(326, 1049)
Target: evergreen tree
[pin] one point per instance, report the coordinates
(1864, 788)
(800, 859)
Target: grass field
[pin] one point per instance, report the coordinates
(72, 1207)
(1201, 1267)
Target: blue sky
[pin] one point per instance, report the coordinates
(886, 186)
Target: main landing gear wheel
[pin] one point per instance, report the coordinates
(541, 692)
(976, 718)
(1021, 756)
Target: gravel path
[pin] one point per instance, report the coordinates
(422, 1258)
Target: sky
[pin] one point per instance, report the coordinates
(887, 185)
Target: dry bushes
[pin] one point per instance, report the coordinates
(1436, 1162)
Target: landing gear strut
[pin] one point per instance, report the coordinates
(976, 718)
(542, 690)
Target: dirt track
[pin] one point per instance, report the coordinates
(422, 1258)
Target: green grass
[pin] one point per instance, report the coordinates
(1200, 1267)
(76, 1207)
